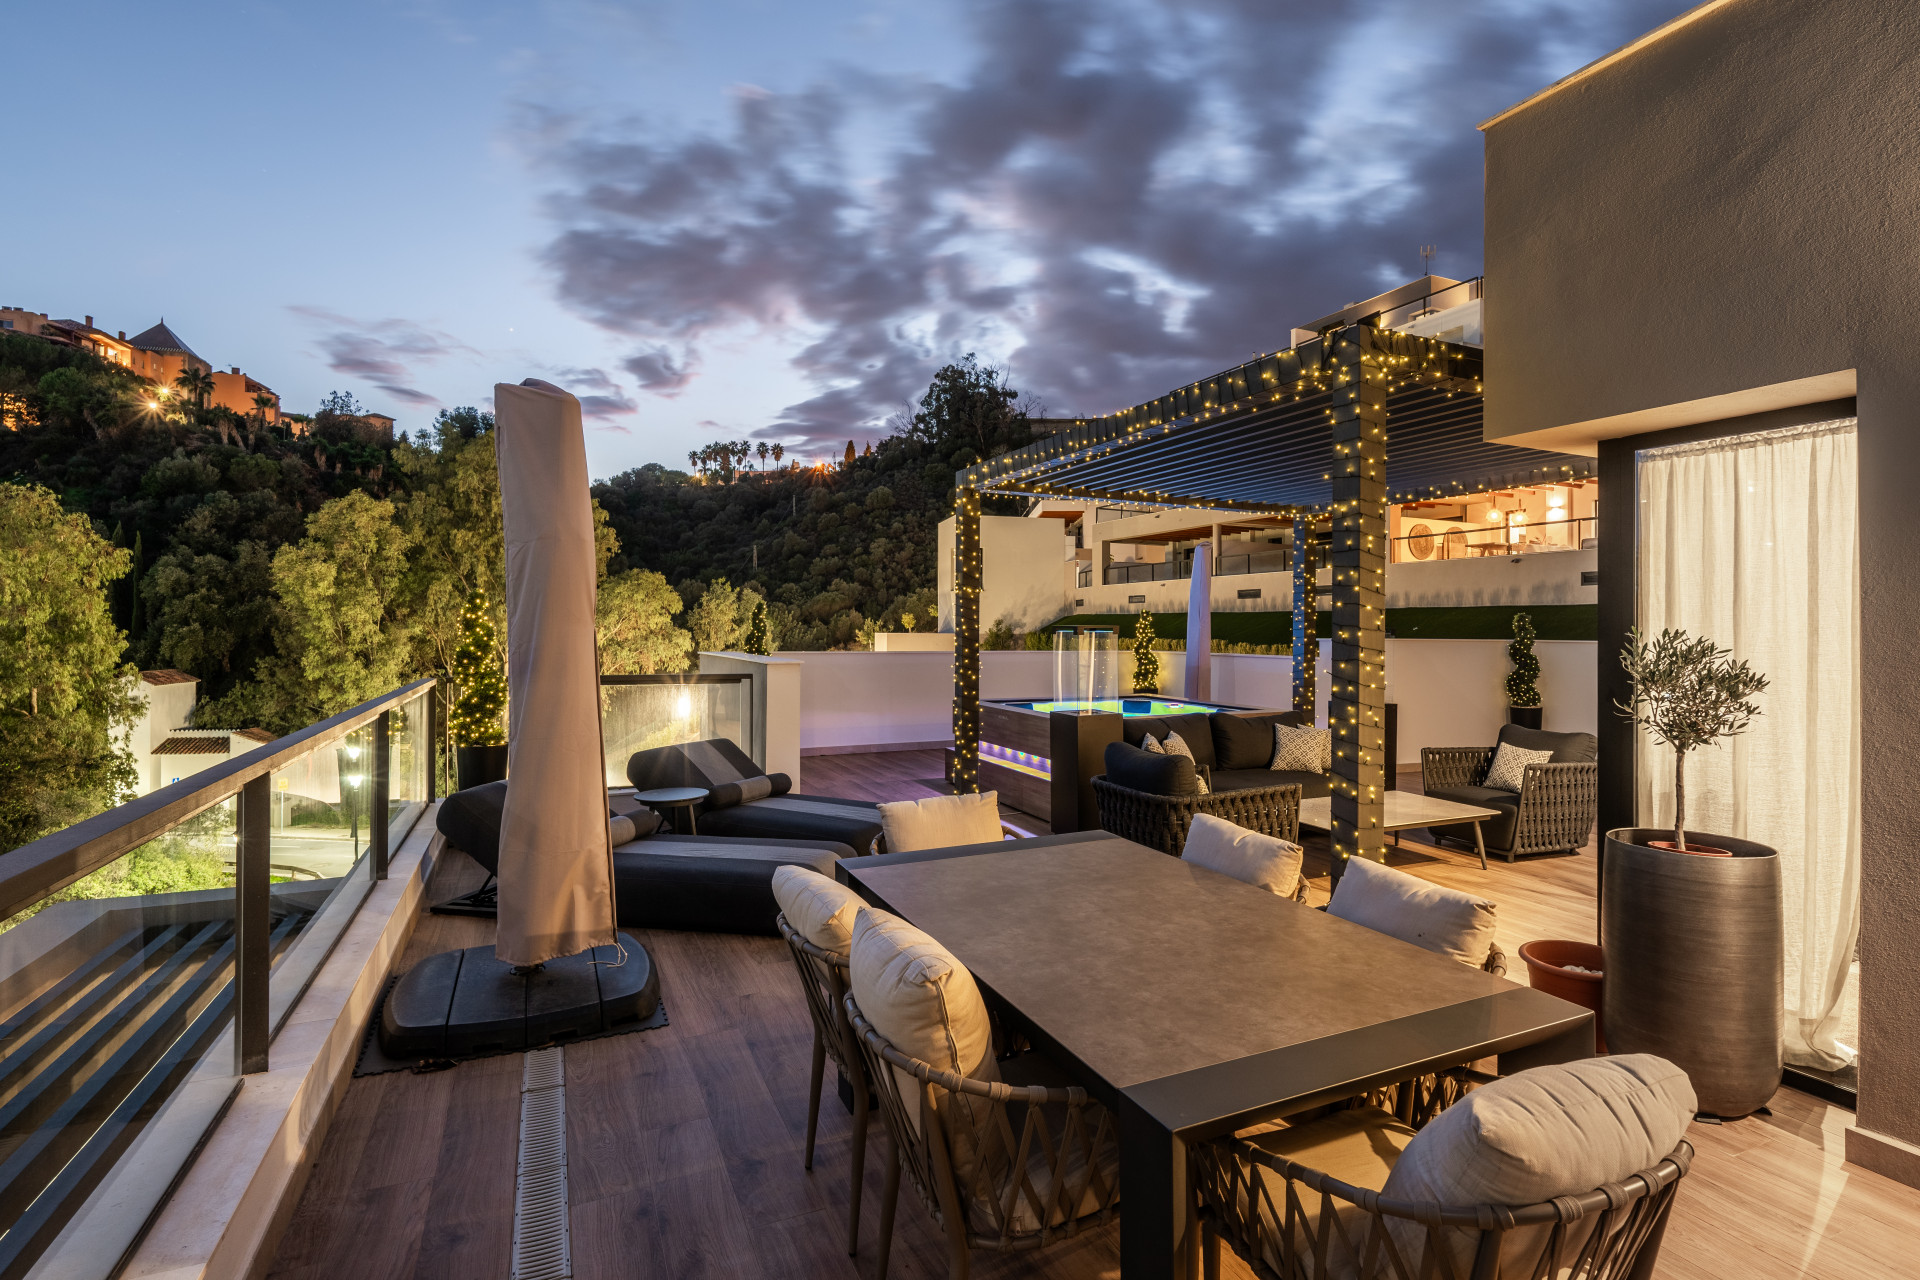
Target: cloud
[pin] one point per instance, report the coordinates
(608, 401)
(1108, 198)
(382, 352)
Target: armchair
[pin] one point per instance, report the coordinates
(1555, 808)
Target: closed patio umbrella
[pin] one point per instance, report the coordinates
(556, 859)
(1200, 626)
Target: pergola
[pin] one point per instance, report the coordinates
(1335, 428)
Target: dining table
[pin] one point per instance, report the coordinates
(1193, 1005)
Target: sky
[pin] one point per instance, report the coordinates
(753, 219)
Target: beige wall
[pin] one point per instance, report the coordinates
(235, 390)
(1022, 572)
(1727, 216)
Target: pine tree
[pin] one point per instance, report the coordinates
(756, 641)
(849, 453)
(477, 718)
(1146, 663)
(1522, 691)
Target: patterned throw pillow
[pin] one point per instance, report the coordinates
(1177, 746)
(1301, 749)
(1509, 766)
(1152, 747)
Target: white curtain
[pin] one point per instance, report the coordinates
(1753, 541)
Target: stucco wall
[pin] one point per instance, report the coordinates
(1022, 572)
(1541, 577)
(1727, 209)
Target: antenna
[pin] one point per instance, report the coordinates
(1426, 258)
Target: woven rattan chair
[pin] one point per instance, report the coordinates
(823, 976)
(1161, 822)
(1291, 1222)
(1558, 802)
(1041, 1162)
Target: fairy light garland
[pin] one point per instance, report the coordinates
(967, 569)
(477, 717)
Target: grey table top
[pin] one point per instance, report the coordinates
(1195, 993)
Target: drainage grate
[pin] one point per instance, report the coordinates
(540, 1247)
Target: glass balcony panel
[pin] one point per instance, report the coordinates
(638, 713)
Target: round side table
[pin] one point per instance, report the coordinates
(665, 800)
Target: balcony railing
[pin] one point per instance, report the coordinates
(149, 954)
(1180, 567)
(639, 712)
(1494, 540)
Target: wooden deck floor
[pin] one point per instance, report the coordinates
(684, 1144)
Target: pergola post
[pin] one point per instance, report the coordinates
(966, 641)
(1356, 704)
(1306, 618)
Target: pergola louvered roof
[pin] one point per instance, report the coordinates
(1258, 437)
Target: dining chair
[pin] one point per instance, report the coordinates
(1448, 921)
(1005, 1154)
(1266, 862)
(816, 919)
(1566, 1171)
(944, 822)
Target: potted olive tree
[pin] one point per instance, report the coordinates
(1694, 945)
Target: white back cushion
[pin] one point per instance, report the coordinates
(1406, 907)
(1551, 1131)
(941, 822)
(1267, 861)
(819, 907)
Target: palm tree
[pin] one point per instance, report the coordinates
(196, 384)
(779, 452)
(763, 451)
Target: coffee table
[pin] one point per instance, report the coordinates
(671, 798)
(1404, 811)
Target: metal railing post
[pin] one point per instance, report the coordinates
(253, 877)
(377, 816)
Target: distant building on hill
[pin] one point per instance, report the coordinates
(161, 355)
(158, 354)
(236, 391)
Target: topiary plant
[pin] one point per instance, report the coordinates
(1687, 693)
(1146, 665)
(1523, 688)
(756, 642)
(477, 717)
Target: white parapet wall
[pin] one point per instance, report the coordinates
(778, 705)
(1540, 577)
(1450, 693)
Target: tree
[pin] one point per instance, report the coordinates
(715, 619)
(345, 638)
(848, 461)
(763, 451)
(779, 452)
(758, 642)
(970, 405)
(196, 384)
(478, 716)
(1523, 689)
(1146, 663)
(1687, 693)
(263, 404)
(636, 629)
(66, 701)
(451, 512)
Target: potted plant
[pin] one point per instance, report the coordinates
(1694, 945)
(476, 719)
(1523, 682)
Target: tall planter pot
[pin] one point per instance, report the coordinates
(1526, 717)
(1695, 949)
(475, 765)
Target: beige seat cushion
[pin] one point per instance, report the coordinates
(818, 906)
(923, 1000)
(941, 822)
(1269, 862)
(1406, 907)
(1551, 1131)
(1081, 1191)
(1359, 1147)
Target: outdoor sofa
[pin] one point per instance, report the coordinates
(1552, 812)
(744, 800)
(1231, 749)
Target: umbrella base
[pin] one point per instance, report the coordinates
(467, 1004)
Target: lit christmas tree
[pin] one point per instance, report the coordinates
(478, 715)
(1522, 691)
(756, 641)
(1146, 663)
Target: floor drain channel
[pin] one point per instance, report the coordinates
(540, 1247)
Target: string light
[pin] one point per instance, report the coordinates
(476, 717)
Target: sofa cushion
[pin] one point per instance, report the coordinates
(1541, 1133)
(725, 795)
(1567, 748)
(719, 885)
(1267, 862)
(1508, 769)
(1495, 832)
(941, 822)
(1310, 784)
(855, 823)
(1157, 775)
(1302, 748)
(819, 907)
(1195, 729)
(1454, 924)
(1244, 739)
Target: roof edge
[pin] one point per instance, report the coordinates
(1600, 64)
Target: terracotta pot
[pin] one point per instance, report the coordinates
(1695, 962)
(1547, 959)
(475, 765)
(1526, 717)
(1698, 850)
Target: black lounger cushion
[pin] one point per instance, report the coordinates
(728, 794)
(855, 823)
(719, 886)
(470, 820)
(690, 764)
(1157, 775)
